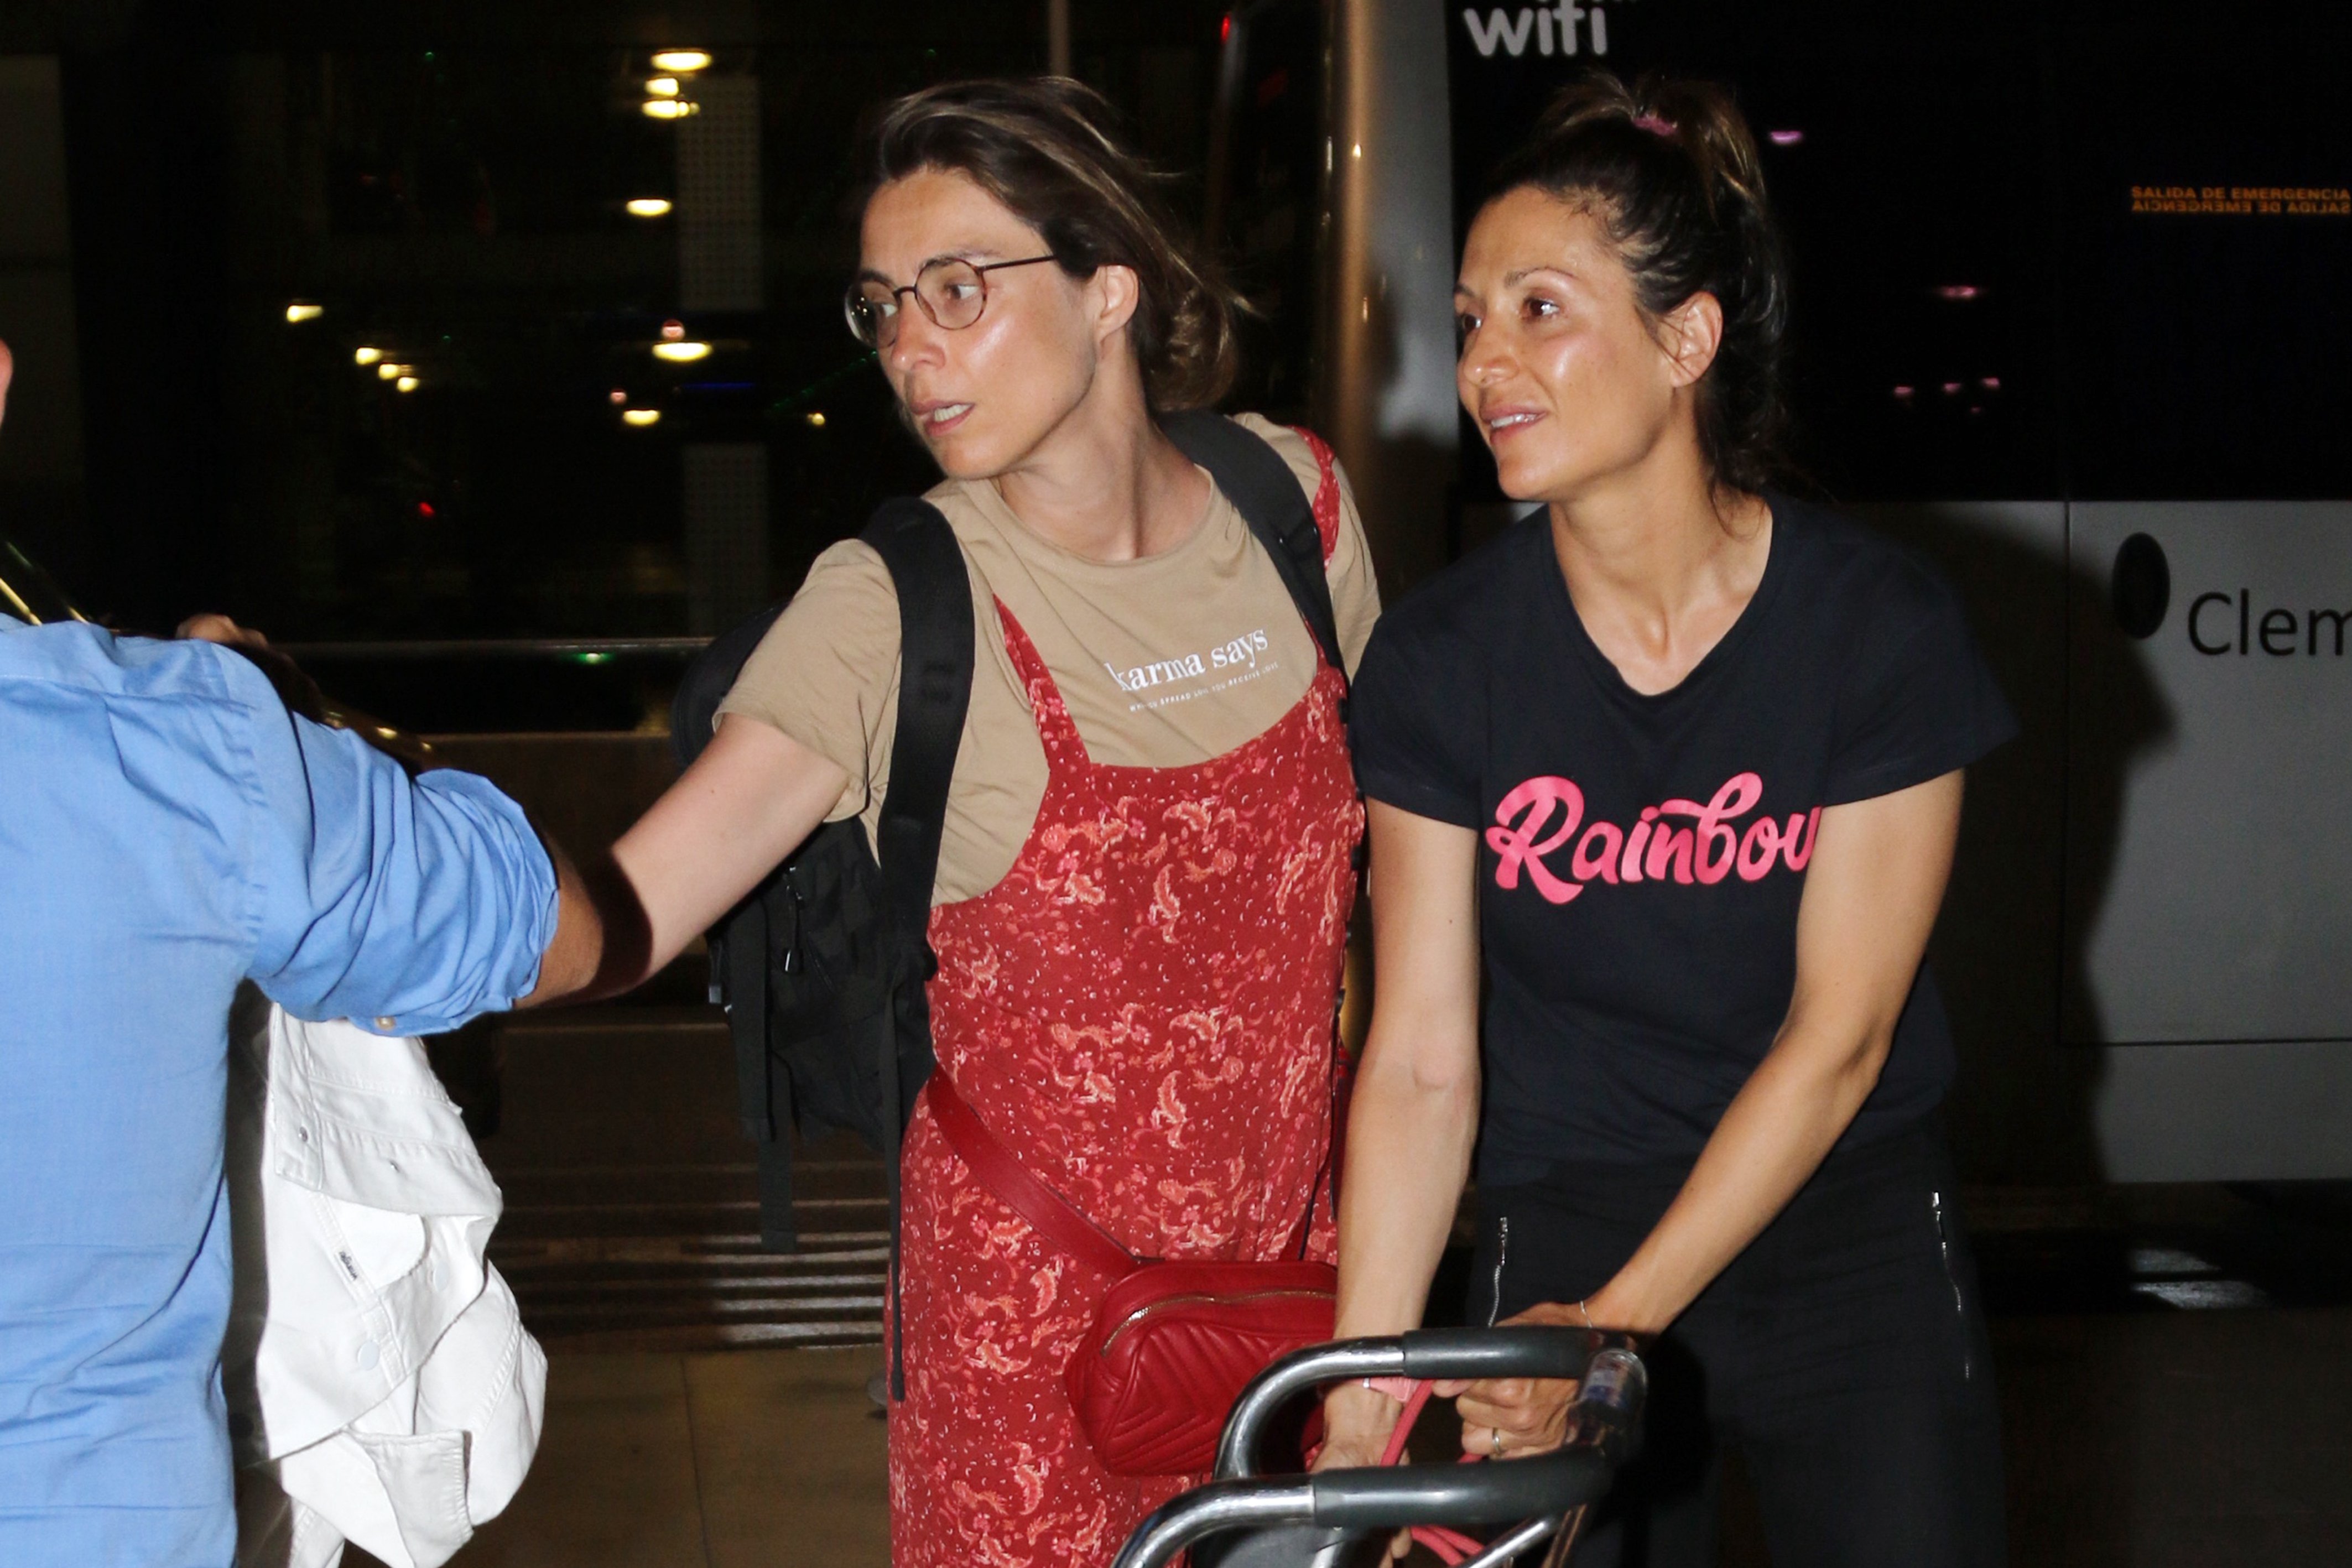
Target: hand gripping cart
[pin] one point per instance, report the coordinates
(1243, 1519)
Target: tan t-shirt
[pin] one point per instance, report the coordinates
(1163, 662)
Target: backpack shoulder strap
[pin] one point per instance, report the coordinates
(1262, 487)
(935, 642)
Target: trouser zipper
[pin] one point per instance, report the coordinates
(1952, 1278)
(1502, 1255)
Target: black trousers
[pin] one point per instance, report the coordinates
(1842, 1354)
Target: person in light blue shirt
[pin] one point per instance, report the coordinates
(168, 830)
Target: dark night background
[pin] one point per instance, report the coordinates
(1978, 312)
(448, 181)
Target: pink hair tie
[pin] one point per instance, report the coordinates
(1655, 126)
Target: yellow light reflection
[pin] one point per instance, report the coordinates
(681, 353)
(405, 383)
(366, 356)
(681, 60)
(662, 87)
(641, 417)
(303, 310)
(668, 107)
(816, 420)
(388, 372)
(649, 206)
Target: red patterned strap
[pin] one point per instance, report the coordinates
(1065, 748)
(1048, 1213)
(1326, 490)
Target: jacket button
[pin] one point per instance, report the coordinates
(385, 1024)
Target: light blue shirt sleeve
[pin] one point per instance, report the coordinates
(408, 905)
(167, 830)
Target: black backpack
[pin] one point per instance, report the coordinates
(821, 967)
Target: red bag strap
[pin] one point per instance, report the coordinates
(1049, 1214)
(1450, 1545)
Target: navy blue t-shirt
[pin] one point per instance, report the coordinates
(1642, 857)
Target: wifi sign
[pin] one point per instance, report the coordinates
(1552, 29)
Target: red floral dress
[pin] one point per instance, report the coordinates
(1141, 1011)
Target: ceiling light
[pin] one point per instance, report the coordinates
(303, 310)
(1787, 137)
(662, 87)
(405, 383)
(366, 356)
(668, 107)
(681, 60)
(681, 353)
(640, 417)
(673, 329)
(389, 372)
(649, 206)
(817, 419)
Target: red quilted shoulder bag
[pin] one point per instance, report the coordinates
(1173, 1342)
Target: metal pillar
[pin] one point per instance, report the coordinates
(1387, 392)
(1057, 37)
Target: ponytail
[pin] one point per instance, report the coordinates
(1671, 171)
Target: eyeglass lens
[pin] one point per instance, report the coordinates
(951, 292)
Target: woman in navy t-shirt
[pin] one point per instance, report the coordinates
(1675, 764)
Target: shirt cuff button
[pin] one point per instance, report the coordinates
(383, 1023)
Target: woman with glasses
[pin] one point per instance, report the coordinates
(1146, 869)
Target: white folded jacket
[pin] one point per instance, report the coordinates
(381, 1387)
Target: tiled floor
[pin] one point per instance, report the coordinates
(2144, 1428)
(2191, 1440)
(734, 1459)
(2187, 1440)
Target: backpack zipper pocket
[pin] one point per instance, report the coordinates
(788, 948)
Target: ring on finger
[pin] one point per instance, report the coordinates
(1498, 1442)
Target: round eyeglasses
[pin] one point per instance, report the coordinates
(952, 291)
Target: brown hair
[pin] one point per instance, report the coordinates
(1045, 148)
(1671, 171)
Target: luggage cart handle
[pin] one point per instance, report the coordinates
(1523, 1351)
(1375, 1498)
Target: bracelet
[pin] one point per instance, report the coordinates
(1586, 1313)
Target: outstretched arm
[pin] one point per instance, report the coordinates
(730, 819)
(745, 804)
